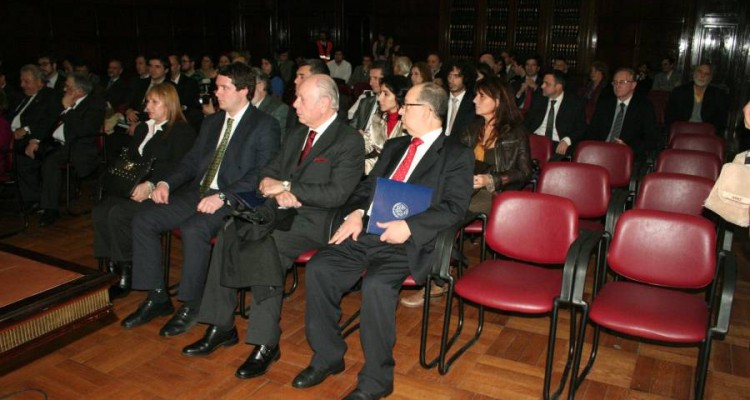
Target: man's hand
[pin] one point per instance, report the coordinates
(287, 200)
(208, 108)
(481, 181)
(131, 128)
(68, 100)
(270, 187)
(209, 205)
(619, 141)
(141, 192)
(19, 133)
(562, 148)
(131, 115)
(31, 148)
(352, 227)
(531, 83)
(160, 195)
(396, 232)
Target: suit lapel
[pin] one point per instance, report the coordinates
(394, 161)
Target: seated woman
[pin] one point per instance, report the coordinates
(386, 123)
(420, 73)
(501, 148)
(166, 137)
(269, 66)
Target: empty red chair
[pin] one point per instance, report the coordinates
(659, 98)
(616, 158)
(688, 128)
(660, 260)
(541, 149)
(708, 143)
(678, 193)
(689, 162)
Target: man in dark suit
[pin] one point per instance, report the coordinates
(314, 173)
(31, 122)
(628, 118)
(461, 110)
(73, 139)
(699, 101)
(263, 101)
(367, 104)
(383, 261)
(52, 78)
(158, 68)
(116, 89)
(232, 147)
(188, 91)
(527, 84)
(568, 123)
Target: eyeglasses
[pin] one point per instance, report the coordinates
(407, 105)
(620, 83)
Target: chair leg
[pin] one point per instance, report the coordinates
(577, 379)
(425, 325)
(349, 327)
(167, 257)
(241, 301)
(701, 369)
(295, 281)
(572, 344)
(446, 343)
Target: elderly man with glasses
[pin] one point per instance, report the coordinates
(628, 118)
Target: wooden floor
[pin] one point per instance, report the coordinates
(507, 363)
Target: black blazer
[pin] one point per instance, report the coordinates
(81, 125)
(117, 95)
(448, 168)
(326, 178)
(253, 144)
(364, 110)
(167, 148)
(464, 117)
(714, 109)
(570, 120)
(188, 91)
(638, 128)
(41, 114)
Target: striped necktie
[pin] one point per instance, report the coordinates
(213, 168)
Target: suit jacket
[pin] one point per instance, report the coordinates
(364, 110)
(189, 91)
(517, 81)
(277, 109)
(167, 148)
(81, 125)
(465, 115)
(661, 82)
(448, 168)
(41, 114)
(326, 177)
(253, 144)
(638, 128)
(714, 108)
(117, 95)
(570, 120)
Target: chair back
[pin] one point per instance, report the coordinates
(664, 249)
(688, 128)
(678, 193)
(708, 143)
(616, 158)
(659, 98)
(532, 227)
(541, 149)
(358, 89)
(586, 185)
(689, 162)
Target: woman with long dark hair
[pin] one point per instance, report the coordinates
(269, 66)
(386, 123)
(166, 137)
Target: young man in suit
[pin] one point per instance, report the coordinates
(568, 123)
(627, 119)
(53, 79)
(158, 69)
(188, 91)
(461, 110)
(314, 173)
(232, 147)
(405, 247)
(527, 84)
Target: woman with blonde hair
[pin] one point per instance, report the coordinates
(165, 137)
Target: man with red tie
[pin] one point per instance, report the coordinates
(526, 86)
(405, 247)
(315, 171)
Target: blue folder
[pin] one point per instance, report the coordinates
(248, 199)
(396, 200)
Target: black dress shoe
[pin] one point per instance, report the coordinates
(258, 362)
(360, 395)
(310, 376)
(211, 341)
(184, 319)
(48, 217)
(147, 311)
(122, 288)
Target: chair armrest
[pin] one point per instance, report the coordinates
(616, 207)
(443, 248)
(576, 266)
(728, 264)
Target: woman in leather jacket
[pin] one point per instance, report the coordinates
(500, 143)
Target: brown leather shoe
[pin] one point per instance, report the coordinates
(417, 299)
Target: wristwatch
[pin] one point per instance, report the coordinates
(222, 196)
(286, 185)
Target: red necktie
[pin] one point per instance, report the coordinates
(403, 168)
(308, 146)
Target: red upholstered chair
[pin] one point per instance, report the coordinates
(659, 98)
(689, 162)
(660, 260)
(678, 193)
(539, 233)
(688, 128)
(541, 149)
(358, 89)
(708, 143)
(616, 158)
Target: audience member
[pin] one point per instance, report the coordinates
(158, 67)
(484, 71)
(643, 77)
(269, 104)
(699, 101)
(339, 68)
(305, 69)
(361, 72)
(166, 137)
(187, 67)
(188, 91)
(436, 66)
(52, 78)
(141, 67)
(420, 73)
(361, 112)
(461, 80)
(271, 69)
(323, 47)
(667, 79)
(401, 66)
(489, 59)
(378, 48)
(224, 60)
(383, 261)
(386, 123)
(314, 173)
(207, 68)
(597, 85)
(286, 66)
(232, 147)
(528, 84)
(116, 90)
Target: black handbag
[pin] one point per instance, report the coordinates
(122, 177)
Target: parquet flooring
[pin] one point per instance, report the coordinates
(506, 363)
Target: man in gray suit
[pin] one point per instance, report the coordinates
(315, 171)
(269, 104)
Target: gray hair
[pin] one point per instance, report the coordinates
(261, 76)
(435, 96)
(403, 63)
(81, 81)
(33, 70)
(327, 88)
